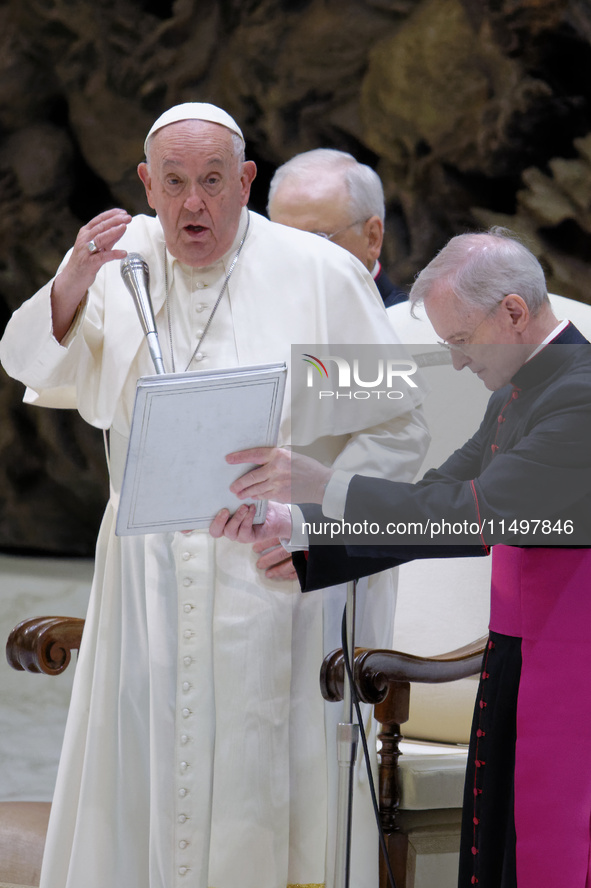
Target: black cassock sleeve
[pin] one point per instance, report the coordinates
(329, 564)
(487, 495)
(324, 566)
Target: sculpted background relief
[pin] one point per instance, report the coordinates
(474, 112)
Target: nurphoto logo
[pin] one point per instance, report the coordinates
(352, 382)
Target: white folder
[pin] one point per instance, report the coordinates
(183, 425)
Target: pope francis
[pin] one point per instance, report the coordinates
(196, 751)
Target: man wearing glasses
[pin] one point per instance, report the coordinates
(331, 194)
(521, 484)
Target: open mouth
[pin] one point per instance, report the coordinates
(195, 229)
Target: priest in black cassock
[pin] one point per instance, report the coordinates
(520, 486)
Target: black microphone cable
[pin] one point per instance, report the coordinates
(372, 789)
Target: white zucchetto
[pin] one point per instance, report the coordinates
(194, 111)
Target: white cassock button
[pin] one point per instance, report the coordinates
(201, 306)
(182, 793)
(186, 556)
(184, 738)
(187, 633)
(199, 332)
(186, 713)
(183, 870)
(187, 581)
(201, 285)
(187, 661)
(182, 818)
(184, 766)
(186, 686)
(183, 844)
(187, 608)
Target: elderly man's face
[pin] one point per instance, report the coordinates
(487, 341)
(322, 206)
(198, 187)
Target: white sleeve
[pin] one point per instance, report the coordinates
(394, 449)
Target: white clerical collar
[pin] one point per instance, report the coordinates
(549, 338)
(376, 269)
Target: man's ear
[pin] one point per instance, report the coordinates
(143, 172)
(374, 232)
(518, 311)
(249, 171)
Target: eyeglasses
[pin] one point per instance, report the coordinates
(460, 345)
(339, 230)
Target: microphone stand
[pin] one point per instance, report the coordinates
(347, 741)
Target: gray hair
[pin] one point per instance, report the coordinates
(364, 187)
(237, 146)
(482, 268)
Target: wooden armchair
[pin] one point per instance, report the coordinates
(41, 645)
(383, 677)
(44, 644)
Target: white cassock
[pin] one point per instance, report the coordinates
(196, 751)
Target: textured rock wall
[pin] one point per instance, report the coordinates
(474, 112)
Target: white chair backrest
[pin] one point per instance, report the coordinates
(577, 312)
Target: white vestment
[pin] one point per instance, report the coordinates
(195, 752)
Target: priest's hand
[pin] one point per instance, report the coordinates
(275, 560)
(239, 526)
(281, 475)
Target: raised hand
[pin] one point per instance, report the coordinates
(92, 249)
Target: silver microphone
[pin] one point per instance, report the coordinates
(136, 276)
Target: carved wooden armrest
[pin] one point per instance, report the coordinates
(44, 644)
(383, 678)
(375, 669)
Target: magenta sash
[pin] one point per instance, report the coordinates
(544, 596)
